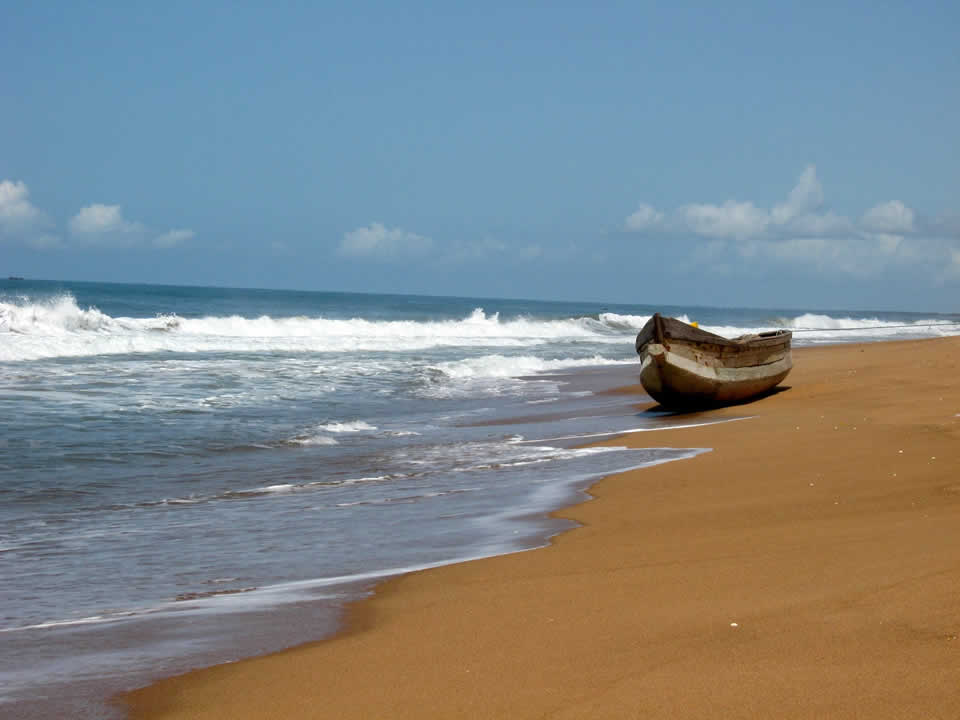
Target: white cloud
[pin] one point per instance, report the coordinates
(889, 217)
(105, 225)
(744, 220)
(730, 220)
(102, 220)
(799, 231)
(98, 223)
(804, 199)
(16, 210)
(173, 237)
(379, 242)
(823, 225)
(798, 215)
(645, 217)
(20, 220)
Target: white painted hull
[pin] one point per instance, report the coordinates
(673, 379)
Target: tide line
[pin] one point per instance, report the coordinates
(634, 430)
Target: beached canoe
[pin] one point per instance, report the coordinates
(684, 366)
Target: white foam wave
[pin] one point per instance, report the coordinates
(316, 434)
(536, 455)
(58, 327)
(631, 323)
(260, 491)
(92, 619)
(308, 440)
(816, 328)
(372, 478)
(346, 427)
(503, 366)
(495, 375)
(405, 499)
(653, 428)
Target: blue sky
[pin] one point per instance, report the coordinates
(742, 154)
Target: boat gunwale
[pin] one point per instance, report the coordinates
(669, 330)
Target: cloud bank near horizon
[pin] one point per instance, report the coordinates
(379, 242)
(800, 230)
(96, 224)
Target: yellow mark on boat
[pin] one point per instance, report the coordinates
(695, 324)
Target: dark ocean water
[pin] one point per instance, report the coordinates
(190, 475)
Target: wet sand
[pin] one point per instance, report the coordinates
(808, 567)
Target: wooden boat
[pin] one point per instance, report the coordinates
(684, 366)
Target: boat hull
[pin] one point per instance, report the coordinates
(674, 380)
(685, 366)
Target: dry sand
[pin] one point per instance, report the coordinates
(808, 567)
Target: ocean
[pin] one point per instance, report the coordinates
(193, 475)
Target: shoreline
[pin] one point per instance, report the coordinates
(282, 615)
(803, 568)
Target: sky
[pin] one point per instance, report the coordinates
(779, 155)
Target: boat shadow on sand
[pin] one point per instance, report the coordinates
(694, 408)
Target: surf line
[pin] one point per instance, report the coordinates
(876, 327)
(634, 430)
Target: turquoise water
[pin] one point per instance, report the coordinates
(181, 468)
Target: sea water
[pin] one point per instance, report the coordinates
(192, 475)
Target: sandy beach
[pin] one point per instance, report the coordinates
(807, 567)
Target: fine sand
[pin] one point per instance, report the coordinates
(808, 567)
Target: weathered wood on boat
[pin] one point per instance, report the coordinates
(684, 366)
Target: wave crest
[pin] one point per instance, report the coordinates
(58, 327)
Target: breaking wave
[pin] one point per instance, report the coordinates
(315, 435)
(502, 366)
(59, 327)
